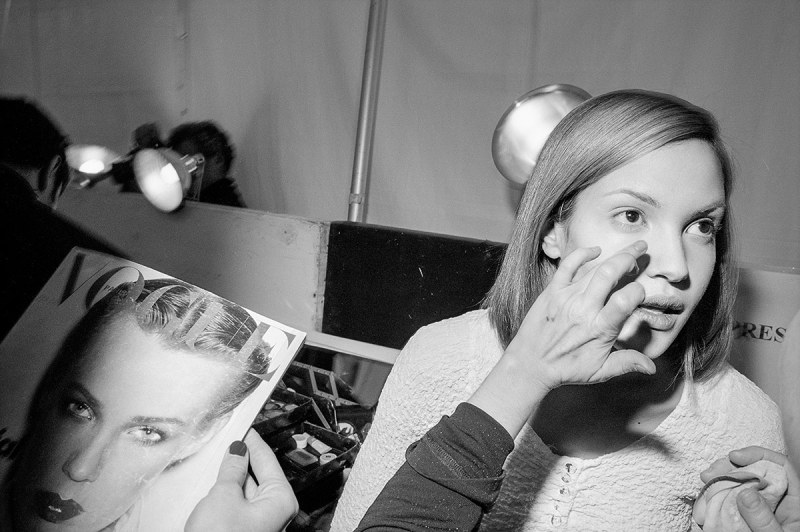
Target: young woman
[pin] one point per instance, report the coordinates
(137, 387)
(619, 274)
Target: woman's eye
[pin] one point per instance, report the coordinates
(147, 435)
(80, 410)
(629, 217)
(705, 228)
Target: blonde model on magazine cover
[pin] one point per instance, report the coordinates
(623, 240)
(138, 387)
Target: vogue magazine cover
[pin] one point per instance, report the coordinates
(120, 391)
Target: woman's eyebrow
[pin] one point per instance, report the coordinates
(152, 420)
(711, 208)
(646, 198)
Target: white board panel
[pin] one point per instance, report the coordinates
(267, 262)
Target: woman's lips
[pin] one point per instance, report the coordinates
(656, 319)
(51, 507)
(660, 312)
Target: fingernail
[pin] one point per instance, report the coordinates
(238, 448)
(750, 498)
(640, 245)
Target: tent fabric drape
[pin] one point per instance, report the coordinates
(283, 78)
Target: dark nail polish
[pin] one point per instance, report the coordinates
(238, 448)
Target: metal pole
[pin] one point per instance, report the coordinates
(370, 79)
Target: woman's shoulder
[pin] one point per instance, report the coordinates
(731, 387)
(465, 327)
(460, 349)
(742, 406)
(465, 336)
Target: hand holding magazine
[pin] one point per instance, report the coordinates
(121, 389)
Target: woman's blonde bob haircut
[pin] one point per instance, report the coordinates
(597, 137)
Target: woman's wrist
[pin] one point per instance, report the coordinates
(511, 393)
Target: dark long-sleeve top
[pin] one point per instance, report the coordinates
(450, 478)
(34, 240)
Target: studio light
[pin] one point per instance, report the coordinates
(523, 129)
(164, 177)
(91, 162)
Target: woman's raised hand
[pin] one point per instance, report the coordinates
(568, 335)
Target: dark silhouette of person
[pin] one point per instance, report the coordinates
(208, 139)
(35, 238)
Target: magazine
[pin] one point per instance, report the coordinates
(121, 389)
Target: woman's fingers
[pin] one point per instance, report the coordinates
(273, 488)
(752, 454)
(622, 362)
(268, 505)
(250, 488)
(570, 265)
(262, 460)
(756, 513)
(619, 307)
(609, 273)
(720, 466)
(234, 465)
(608, 313)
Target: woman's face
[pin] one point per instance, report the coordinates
(130, 408)
(672, 198)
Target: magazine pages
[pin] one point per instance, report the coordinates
(120, 390)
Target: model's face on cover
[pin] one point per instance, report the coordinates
(128, 410)
(672, 198)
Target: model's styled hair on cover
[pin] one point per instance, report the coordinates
(594, 139)
(220, 339)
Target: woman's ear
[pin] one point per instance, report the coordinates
(554, 241)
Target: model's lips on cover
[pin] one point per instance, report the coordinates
(51, 507)
(660, 312)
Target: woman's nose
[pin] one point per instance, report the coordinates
(667, 258)
(85, 463)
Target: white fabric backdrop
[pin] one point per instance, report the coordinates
(283, 77)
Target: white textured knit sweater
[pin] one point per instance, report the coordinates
(649, 485)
